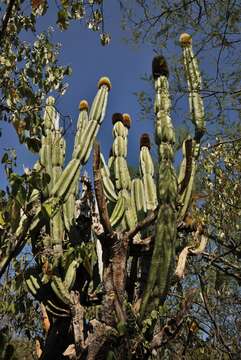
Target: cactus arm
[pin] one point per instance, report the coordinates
(121, 124)
(164, 247)
(194, 85)
(138, 195)
(197, 112)
(109, 188)
(147, 172)
(69, 205)
(58, 152)
(50, 117)
(62, 187)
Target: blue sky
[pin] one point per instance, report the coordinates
(123, 64)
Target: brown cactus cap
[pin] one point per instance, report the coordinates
(145, 141)
(159, 67)
(185, 39)
(117, 117)
(104, 81)
(127, 120)
(83, 105)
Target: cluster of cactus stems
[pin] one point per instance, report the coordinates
(54, 287)
(128, 201)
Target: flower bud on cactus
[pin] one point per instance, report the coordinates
(127, 120)
(83, 105)
(185, 39)
(117, 117)
(104, 81)
(159, 67)
(50, 100)
(145, 141)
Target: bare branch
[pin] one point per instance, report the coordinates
(100, 197)
(142, 224)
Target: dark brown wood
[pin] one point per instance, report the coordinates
(143, 224)
(6, 18)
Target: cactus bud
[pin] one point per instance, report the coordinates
(83, 105)
(50, 100)
(126, 120)
(104, 81)
(145, 141)
(159, 67)
(117, 117)
(185, 39)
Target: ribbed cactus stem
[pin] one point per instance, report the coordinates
(119, 151)
(50, 116)
(147, 172)
(121, 126)
(197, 112)
(69, 205)
(138, 197)
(162, 263)
(109, 188)
(194, 82)
(58, 154)
(82, 152)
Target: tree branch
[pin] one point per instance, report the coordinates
(100, 197)
(142, 224)
(6, 18)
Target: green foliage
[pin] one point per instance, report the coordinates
(30, 70)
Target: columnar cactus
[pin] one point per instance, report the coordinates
(147, 172)
(197, 113)
(58, 263)
(66, 279)
(163, 257)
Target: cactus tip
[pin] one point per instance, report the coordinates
(83, 105)
(145, 140)
(104, 81)
(185, 39)
(126, 120)
(159, 67)
(117, 117)
(50, 100)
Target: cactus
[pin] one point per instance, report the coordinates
(64, 226)
(163, 256)
(147, 171)
(197, 113)
(60, 199)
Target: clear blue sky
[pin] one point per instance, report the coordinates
(124, 65)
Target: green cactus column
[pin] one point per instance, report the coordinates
(85, 142)
(58, 156)
(121, 125)
(162, 262)
(69, 205)
(47, 140)
(197, 115)
(147, 172)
